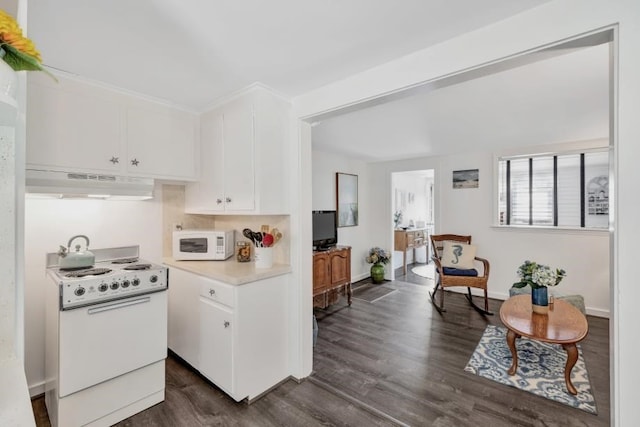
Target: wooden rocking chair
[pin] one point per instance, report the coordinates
(448, 277)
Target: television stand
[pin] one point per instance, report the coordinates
(331, 275)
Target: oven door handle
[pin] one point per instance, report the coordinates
(118, 305)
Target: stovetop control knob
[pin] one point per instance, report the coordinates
(103, 287)
(79, 291)
(125, 283)
(136, 282)
(115, 285)
(153, 279)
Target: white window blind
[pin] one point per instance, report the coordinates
(566, 190)
(542, 191)
(519, 192)
(569, 190)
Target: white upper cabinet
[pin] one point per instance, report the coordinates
(243, 160)
(74, 126)
(161, 142)
(71, 127)
(239, 156)
(209, 192)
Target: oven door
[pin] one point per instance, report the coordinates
(103, 341)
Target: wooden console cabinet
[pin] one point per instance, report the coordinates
(331, 274)
(405, 240)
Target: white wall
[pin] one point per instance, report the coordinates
(583, 254)
(324, 168)
(50, 223)
(546, 24)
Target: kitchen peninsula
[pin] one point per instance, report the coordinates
(229, 320)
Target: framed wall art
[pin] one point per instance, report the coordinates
(347, 199)
(466, 178)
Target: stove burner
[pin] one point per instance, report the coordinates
(89, 272)
(138, 267)
(125, 261)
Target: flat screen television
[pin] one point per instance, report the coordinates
(325, 233)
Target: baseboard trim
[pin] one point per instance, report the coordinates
(36, 390)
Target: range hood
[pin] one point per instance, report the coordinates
(87, 185)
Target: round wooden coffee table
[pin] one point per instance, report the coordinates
(564, 325)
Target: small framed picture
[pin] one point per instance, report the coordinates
(347, 199)
(468, 178)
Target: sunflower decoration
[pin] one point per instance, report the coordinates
(15, 49)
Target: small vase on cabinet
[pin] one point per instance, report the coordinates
(377, 272)
(540, 300)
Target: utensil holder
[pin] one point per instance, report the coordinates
(263, 257)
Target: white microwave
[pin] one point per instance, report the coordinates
(197, 245)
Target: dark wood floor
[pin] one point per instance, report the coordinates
(392, 362)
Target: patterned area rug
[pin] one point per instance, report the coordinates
(371, 292)
(540, 368)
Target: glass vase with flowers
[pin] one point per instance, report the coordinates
(539, 277)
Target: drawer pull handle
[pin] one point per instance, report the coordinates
(226, 324)
(212, 292)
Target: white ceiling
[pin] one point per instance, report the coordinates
(564, 98)
(193, 52)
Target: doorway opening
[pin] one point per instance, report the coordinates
(412, 204)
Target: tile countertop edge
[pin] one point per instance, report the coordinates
(15, 404)
(229, 271)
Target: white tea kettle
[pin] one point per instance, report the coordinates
(77, 259)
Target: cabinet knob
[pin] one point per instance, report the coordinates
(228, 199)
(135, 162)
(115, 160)
(212, 292)
(219, 201)
(226, 323)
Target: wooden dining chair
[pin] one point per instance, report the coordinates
(450, 275)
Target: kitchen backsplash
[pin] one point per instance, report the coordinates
(173, 213)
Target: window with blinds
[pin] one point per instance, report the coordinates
(561, 190)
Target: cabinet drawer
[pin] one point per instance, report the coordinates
(217, 292)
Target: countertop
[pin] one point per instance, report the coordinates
(229, 271)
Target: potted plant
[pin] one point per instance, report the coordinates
(378, 257)
(539, 277)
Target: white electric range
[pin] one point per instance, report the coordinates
(106, 338)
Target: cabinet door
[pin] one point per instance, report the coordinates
(340, 267)
(216, 344)
(239, 156)
(207, 195)
(184, 317)
(321, 273)
(72, 130)
(161, 142)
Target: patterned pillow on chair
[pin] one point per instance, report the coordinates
(458, 255)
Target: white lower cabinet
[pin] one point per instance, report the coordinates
(242, 331)
(216, 344)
